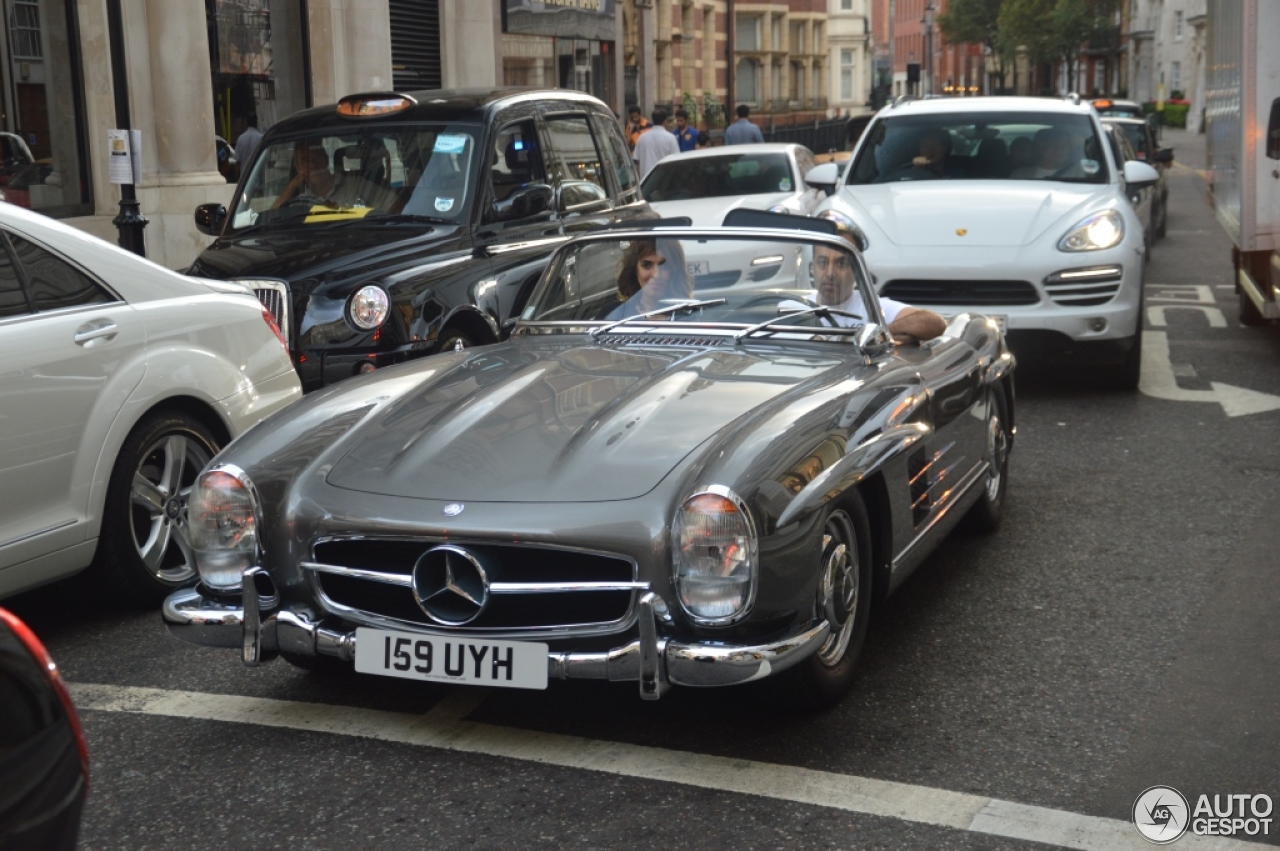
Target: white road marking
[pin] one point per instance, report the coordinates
(1157, 380)
(445, 728)
(1157, 314)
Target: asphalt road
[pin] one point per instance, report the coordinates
(1020, 691)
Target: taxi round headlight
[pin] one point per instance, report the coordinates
(369, 307)
(222, 514)
(715, 554)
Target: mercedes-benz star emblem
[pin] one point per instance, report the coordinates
(450, 585)
(453, 509)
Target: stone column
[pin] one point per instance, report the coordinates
(350, 48)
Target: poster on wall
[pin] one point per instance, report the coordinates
(587, 19)
(243, 30)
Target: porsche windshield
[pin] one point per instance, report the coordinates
(412, 172)
(724, 282)
(981, 146)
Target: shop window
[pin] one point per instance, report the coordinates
(43, 160)
(258, 60)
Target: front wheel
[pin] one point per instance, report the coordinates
(986, 512)
(844, 600)
(144, 549)
(452, 339)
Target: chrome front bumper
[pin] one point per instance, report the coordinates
(262, 629)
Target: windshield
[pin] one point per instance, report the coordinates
(684, 178)
(981, 146)
(735, 283)
(364, 172)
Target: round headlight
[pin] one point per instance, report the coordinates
(369, 307)
(222, 517)
(715, 557)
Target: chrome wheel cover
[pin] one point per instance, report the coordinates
(839, 586)
(997, 451)
(158, 497)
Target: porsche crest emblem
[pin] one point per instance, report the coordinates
(961, 231)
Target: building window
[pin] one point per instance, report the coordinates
(257, 63)
(797, 83)
(775, 36)
(748, 81)
(45, 163)
(747, 33)
(24, 30)
(846, 5)
(1175, 77)
(775, 85)
(797, 38)
(846, 74)
(1177, 26)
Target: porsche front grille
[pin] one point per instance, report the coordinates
(534, 590)
(961, 293)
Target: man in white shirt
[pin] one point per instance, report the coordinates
(654, 144)
(833, 273)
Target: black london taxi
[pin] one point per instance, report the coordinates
(394, 225)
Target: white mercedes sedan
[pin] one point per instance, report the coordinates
(119, 381)
(707, 183)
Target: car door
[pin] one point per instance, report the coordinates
(576, 165)
(72, 352)
(516, 244)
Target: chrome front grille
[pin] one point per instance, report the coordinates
(274, 296)
(540, 591)
(691, 340)
(961, 293)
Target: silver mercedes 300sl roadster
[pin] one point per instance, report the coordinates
(699, 460)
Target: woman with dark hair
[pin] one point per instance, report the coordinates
(651, 274)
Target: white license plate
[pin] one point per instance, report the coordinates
(448, 659)
(698, 267)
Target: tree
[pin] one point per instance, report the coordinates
(975, 22)
(1071, 24)
(1026, 25)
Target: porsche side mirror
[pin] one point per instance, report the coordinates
(823, 177)
(210, 218)
(530, 200)
(1138, 175)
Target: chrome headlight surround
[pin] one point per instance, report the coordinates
(715, 557)
(1094, 233)
(368, 307)
(224, 515)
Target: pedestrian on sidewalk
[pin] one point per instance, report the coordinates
(742, 131)
(654, 144)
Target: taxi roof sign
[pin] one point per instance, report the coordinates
(371, 105)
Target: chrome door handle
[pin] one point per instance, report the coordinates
(98, 329)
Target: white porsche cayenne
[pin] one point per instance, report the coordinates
(119, 381)
(1017, 208)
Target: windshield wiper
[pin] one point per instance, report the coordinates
(403, 219)
(828, 313)
(675, 308)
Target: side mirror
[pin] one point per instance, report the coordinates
(1164, 155)
(530, 200)
(1139, 175)
(210, 218)
(823, 177)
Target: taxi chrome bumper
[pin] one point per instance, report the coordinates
(262, 630)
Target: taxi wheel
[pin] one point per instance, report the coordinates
(451, 339)
(144, 549)
(844, 591)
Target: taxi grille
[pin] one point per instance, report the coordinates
(961, 293)
(274, 296)
(544, 606)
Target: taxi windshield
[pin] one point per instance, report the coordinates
(411, 172)
(704, 283)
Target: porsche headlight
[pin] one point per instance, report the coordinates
(715, 554)
(1099, 231)
(368, 307)
(222, 513)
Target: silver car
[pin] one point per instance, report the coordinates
(120, 381)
